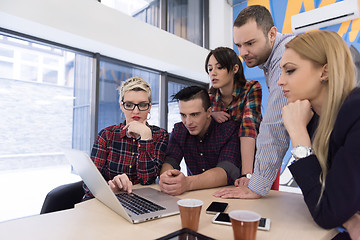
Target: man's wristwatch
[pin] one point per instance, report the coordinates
(301, 152)
(248, 175)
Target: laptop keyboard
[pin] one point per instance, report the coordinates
(137, 204)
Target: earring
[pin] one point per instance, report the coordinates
(322, 81)
(122, 116)
(148, 116)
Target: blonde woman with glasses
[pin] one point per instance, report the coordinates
(131, 152)
(318, 79)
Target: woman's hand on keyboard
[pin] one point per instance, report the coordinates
(119, 183)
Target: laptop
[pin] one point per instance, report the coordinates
(153, 203)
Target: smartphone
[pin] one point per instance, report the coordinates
(223, 218)
(216, 207)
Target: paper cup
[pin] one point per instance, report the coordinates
(190, 213)
(244, 224)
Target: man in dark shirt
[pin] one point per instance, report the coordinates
(211, 150)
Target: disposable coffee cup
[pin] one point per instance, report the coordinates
(190, 213)
(244, 224)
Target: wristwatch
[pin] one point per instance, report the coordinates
(248, 175)
(301, 152)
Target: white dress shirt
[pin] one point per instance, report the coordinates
(273, 139)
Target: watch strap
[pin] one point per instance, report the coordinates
(246, 175)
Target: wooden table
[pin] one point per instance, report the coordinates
(290, 219)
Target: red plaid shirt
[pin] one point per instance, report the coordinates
(115, 153)
(244, 108)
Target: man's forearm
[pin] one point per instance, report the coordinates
(215, 177)
(247, 154)
(165, 167)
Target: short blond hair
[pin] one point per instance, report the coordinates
(134, 84)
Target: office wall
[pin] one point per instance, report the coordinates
(89, 25)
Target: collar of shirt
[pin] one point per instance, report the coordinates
(266, 65)
(235, 95)
(208, 131)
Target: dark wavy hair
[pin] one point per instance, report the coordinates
(227, 58)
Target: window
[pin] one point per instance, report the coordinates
(187, 19)
(149, 14)
(145, 10)
(44, 104)
(174, 113)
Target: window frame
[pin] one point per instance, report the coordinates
(164, 79)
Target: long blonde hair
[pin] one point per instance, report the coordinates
(327, 47)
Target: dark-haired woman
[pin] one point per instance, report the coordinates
(235, 98)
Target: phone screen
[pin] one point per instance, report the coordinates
(224, 218)
(216, 207)
(262, 222)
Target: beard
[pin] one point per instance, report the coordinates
(265, 52)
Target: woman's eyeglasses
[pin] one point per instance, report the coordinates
(131, 106)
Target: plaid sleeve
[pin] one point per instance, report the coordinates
(252, 112)
(151, 156)
(99, 152)
(229, 158)
(174, 153)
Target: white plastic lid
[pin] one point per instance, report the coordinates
(244, 216)
(190, 202)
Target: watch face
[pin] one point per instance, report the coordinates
(248, 175)
(300, 152)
